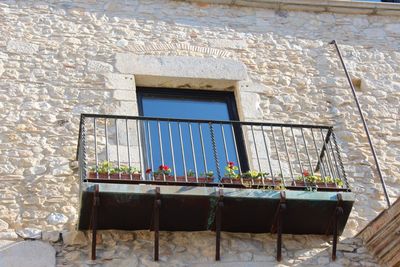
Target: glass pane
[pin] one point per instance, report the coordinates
(191, 143)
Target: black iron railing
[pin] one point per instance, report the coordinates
(132, 149)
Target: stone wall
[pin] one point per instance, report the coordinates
(59, 60)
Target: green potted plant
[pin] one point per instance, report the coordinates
(207, 177)
(231, 175)
(163, 174)
(128, 173)
(104, 170)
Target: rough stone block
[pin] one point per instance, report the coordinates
(99, 66)
(19, 47)
(180, 66)
(120, 81)
(30, 233)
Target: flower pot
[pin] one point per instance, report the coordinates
(168, 178)
(226, 180)
(93, 175)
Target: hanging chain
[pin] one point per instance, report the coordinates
(214, 147)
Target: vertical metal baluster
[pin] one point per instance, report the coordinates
(277, 154)
(172, 149)
(203, 151)
(117, 141)
(161, 146)
(107, 156)
(193, 153)
(236, 150)
(334, 159)
(329, 163)
(95, 148)
(344, 177)
(269, 159)
(182, 151)
(308, 155)
(298, 157)
(146, 149)
(255, 146)
(151, 148)
(287, 153)
(141, 160)
(323, 172)
(128, 146)
(224, 140)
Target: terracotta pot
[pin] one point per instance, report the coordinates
(168, 178)
(226, 180)
(93, 175)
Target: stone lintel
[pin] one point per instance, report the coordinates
(180, 67)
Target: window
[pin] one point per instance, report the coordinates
(188, 147)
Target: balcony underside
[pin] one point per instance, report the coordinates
(192, 208)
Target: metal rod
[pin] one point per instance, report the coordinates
(277, 154)
(95, 148)
(193, 153)
(255, 147)
(95, 205)
(172, 149)
(224, 141)
(161, 146)
(294, 125)
(117, 142)
(340, 160)
(323, 172)
(157, 204)
(141, 160)
(182, 151)
(218, 219)
(364, 123)
(287, 153)
(308, 155)
(334, 159)
(298, 157)
(107, 157)
(329, 163)
(236, 149)
(150, 146)
(203, 150)
(269, 160)
(147, 159)
(128, 147)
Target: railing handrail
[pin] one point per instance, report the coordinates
(254, 123)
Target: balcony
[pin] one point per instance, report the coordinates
(194, 175)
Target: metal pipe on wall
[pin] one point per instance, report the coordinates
(364, 123)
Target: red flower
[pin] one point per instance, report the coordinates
(306, 173)
(163, 168)
(148, 171)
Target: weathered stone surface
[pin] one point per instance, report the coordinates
(99, 66)
(179, 66)
(27, 253)
(1, 68)
(63, 63)
(57, 218)
(14, 46)
(3, 225)
(30, 233)
(120, 81)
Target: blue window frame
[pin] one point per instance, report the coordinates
(196, 105)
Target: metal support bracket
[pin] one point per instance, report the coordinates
(95, 207)
(277, 225)
(218, 219)
(156, 222)
(338, 213)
